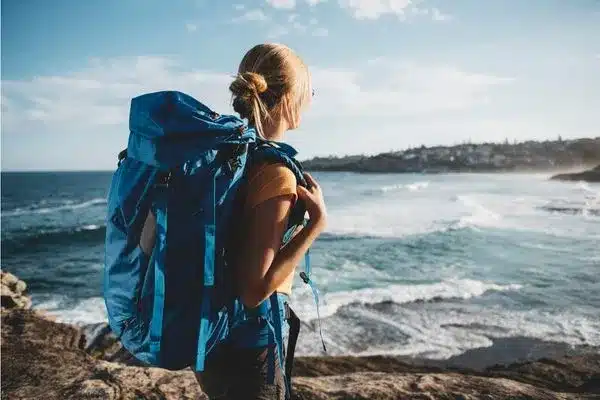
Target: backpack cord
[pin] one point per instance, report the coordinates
(306, 278)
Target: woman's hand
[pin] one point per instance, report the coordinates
(315, 204)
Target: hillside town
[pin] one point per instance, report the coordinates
(471, 157)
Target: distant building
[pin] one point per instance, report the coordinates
(499, 160)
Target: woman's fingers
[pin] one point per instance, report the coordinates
(311, 181)
(303, 193)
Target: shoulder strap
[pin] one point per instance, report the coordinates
(278, 152)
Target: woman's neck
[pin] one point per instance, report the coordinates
(275, 132)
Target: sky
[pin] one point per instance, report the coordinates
(387, 74)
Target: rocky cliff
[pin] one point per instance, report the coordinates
(591, 175)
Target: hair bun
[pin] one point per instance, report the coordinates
(257, 81)
(247, 84)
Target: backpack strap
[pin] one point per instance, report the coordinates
(160, 205)
(278, 152)
(307, 280)
(294, 323)
(209, 274)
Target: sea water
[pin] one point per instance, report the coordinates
(420, 265)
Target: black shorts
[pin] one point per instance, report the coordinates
(242, 374)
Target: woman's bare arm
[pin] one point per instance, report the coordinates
(264, 265)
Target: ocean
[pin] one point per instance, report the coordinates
(427, 266)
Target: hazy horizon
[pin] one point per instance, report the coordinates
(553, 170)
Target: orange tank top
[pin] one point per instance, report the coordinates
(264, 182)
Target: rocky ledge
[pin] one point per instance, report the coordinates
(591, 175)
(13, 291)
(44, 359)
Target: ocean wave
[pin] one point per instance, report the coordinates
(27, 240)
(441, 331)
(411, 187)
(83, 312)
(585, 187)
(572, 210)
(478, 215)
(399, 294)
(68, 206)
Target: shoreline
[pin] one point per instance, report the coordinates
(471, 157)
(517, 171)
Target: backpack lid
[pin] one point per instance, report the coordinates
(172, 113)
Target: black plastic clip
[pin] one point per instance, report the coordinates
(304, 277)
(122, 155)
(233, 164)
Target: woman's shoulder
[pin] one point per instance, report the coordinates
(269, 180)
(266, 172)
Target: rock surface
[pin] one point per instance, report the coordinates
(44, 359)
(591, 175)
(13, 291)
(392, 386)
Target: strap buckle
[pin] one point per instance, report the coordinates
(163, 180)
(304, 277)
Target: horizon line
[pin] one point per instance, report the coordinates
(466, 142)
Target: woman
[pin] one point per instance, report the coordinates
(271, 90)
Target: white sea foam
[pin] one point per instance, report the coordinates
(88, 311)
(390, 217)
(91, 227)
(478, 215)
(330, 302)
(68, 206)
(585, 187)
(440, 331)
(412, 187)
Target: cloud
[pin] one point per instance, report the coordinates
(315, 2)
(373, 9)
(437, 15)
(321, 32)
(252, 15)
(98, 95)
(402, 9)
(419, 11)
(282, 4)
(239, 7)
(299, 27)
(400, 88)
(293, 25)
(278, 31)
(87, 110)
(191, 27)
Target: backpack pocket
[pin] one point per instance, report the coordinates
(130, 231)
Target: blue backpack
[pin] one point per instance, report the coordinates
(167, 286)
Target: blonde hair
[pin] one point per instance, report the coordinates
(271, 80)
